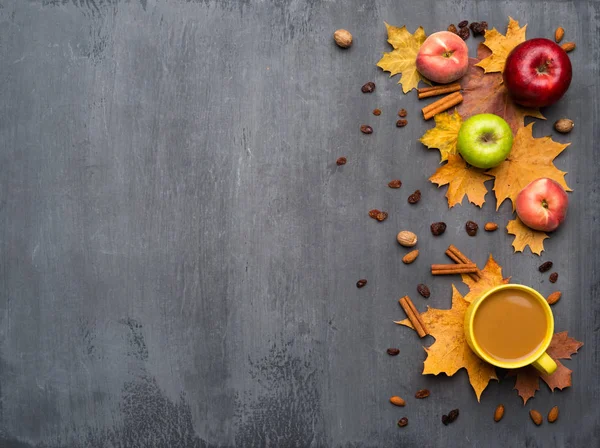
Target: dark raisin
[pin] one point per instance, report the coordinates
(393, 351)
(464, 33)
(401, 123)
(366, 129)
(545, 267)
(415, 197)
(362, 282)
(341, 161)
(437, 228)
(452, 415)
(463, 23)
(423, 393)
(478, 28)
(396, 183)
(368, 87)
(377, 112)
(471, 228)
(423, 290)
(403, 422)
(402, 113)
(373, 213)
(381, 216)
(452, 28)
(553, 277)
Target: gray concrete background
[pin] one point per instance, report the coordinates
(179, 251)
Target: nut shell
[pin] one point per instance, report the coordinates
(406, 238)
(343, 38)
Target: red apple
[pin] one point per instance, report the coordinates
(443, 57)
(542, 205)
(537, 73)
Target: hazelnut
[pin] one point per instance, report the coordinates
(406, 238)
(564, 125)
(342, 38)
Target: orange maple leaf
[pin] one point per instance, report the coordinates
(444, 135)
(527, 381)
(529, 159)
(501, 46)
(461, 180)
(450, 351)
(524, 236)
(485, 93)
(490, 276)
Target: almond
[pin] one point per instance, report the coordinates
(554, 297)
(406, 238)
(499, 413)
(536, 417)
(568, 46)
(410, 257)
(559, 34)
(553, 414)
(397, 401)
(490, 226)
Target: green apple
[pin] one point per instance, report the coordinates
(484, 140)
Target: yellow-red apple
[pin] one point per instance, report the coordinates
(542, 205)
(443, 57)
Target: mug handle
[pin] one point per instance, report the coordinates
(545, 364)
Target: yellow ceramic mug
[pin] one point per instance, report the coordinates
(538, 359)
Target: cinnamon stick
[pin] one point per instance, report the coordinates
(452, 267)
(441, 105)
(413, 316)
(426, 92)
(456, 269)
(460, 258)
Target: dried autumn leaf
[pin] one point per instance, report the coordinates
(527, 381)
(404, 56)
(490, 276)
(486, 94)
(461, 180)
(501, 46)
(529, 159)
(444, 135)
(450, 351)
(524, 236)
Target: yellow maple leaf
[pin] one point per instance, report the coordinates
(524, 236)
(529, 159)
(461, 180)
(450, 351)
(490, 276)
(501, 46)
(444, 135)
(403, 58)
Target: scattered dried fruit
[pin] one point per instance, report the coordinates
(553, 414)
(366, 129)
(490, 226)
(396, 183)
(410, 257)
(406, 238)
(377, 112)
(478, 28)
(368, 87)
(402, 113)
(397, 401)
(464, 33)
(415, 197)
(536, 417)
(452, 415)
(568, 46)
(437, 228)
(564, 125)
(381, 216)
(554, 297)
(401, 123)
(463, 23)
(403, 422)
(553, 277)
(393, 351)
(499, 413)
(545, 267)
(362, 282)
(559, 34)
(471, 227)
(342, 38)
(341, 161)
(423, 393)
(452, 28)
(423, 290)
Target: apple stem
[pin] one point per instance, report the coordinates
(544, 67)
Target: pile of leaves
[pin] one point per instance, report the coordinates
(483, 92)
